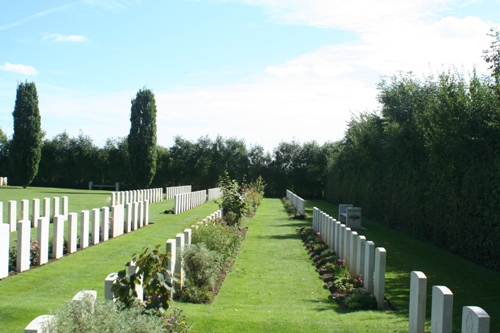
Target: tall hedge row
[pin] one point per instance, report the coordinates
(428, 163)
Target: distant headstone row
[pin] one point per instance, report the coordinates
(474, 319)
(33, 214)
(95, 226)
(297, 202)
(170, 192)
(3, 181)
(360, 255)
(151, 195)
(187, 201)
(175, 267)
(214, 194)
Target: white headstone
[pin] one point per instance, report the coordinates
(132, 269)
(12, 211)
(37, 325)
(187, 236)
(118, 220)
(84, 229)
(379, 276)
(46, 207)
(36, 212)
(128, 223)
(57, 209)
(442, 310)
(146, 212)
(360, 261)
(353, 253)
(141, 214)
(171, 249)
(23, 245)
(65, 207)
(43, 240)
(475, 320)
(108, 284)
(96, 217)
(25, 210)
(418, 296)
(105, 224)
(72, 232)
(135, 218)
(179, 269)
(58, 245)
(369, 265)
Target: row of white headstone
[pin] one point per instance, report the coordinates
(170, 192)
(360, 255)
(175, 265)
(151, 195)
(35, 213)
(297, 202)
(3, 181)
(40, 323)
(186, 201)
(214, 193)
(474, 319)
(137, 216)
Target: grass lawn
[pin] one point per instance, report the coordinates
(273, 286)
(470, 283)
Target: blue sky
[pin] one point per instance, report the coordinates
(262, 70)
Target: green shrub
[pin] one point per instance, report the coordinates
(103, 316)
(217, 237)
(361, 299)
(202, 266)
(195, 294)
(152, 267)
(232, 203)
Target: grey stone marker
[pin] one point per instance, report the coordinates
(342, 209)
(37, 324)
(43, 240)
(12, 212)
(57, 208)
(475, 320)
(72, 232)
(442, 310)
(108, 284)
(23, 245)
(105, 224)
(379, 276)
(4, 249)
(360, 260)
(25, 210)
(46, 207)
(36, 212)
(369, 265)
(418, 296)
(58, 245)
(353, 219)
(96, 217)
(84, 229)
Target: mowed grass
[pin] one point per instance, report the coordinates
(42, 290)
(273, 285)
(470, 283)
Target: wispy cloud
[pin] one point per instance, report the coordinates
(63, 38)
(35, 16)
(18, 68)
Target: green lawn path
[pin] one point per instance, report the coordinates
(273, 286)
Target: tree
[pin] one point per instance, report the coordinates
(492, 56)
(142, 138)
(4, 154)
(26, 144)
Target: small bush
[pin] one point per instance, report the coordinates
(361, 299)
(201, 265)
(103, 316)
(217, 237)
(195, 294)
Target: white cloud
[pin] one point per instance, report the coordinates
(18, 68)
(63, 38)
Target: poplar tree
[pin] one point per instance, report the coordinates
(142, 138)
(26, 145)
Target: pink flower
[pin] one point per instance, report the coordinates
(318, 233)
